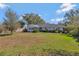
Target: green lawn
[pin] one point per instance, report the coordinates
(38, 44)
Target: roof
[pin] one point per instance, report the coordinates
(44, 25)
(48, 25)
(32, 25)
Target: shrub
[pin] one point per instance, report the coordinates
(35, 30)
(1, 28)
(73, 32)
(5, 34)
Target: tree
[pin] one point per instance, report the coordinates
(33, 19)
(1, 28)
(72, 16)
(72, 22)
(10, 20)
(22, 21)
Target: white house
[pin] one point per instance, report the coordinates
(32, 27)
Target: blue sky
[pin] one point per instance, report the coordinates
(50, 12)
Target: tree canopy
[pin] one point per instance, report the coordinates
(33, 18)
(72, 21)
(10, 21)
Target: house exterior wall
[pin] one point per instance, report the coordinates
(31, 28)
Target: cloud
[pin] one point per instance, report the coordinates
(40, 15)
(2, 6)
(65, 7)
(55, 21)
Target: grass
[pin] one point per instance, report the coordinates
(38, 44)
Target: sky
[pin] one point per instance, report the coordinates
(50, 12)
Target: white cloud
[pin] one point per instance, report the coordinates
(65, 7)
(40, 15)
(55, 21)
(2, 6)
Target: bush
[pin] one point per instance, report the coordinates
(35, 30)
(53, 31)
(5, 34)
(1, 29)
(74, 33)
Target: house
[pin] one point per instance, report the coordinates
(60, 28)
(32, 27)
(42, 28)
(47, 27)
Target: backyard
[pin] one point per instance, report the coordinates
(38, 44)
